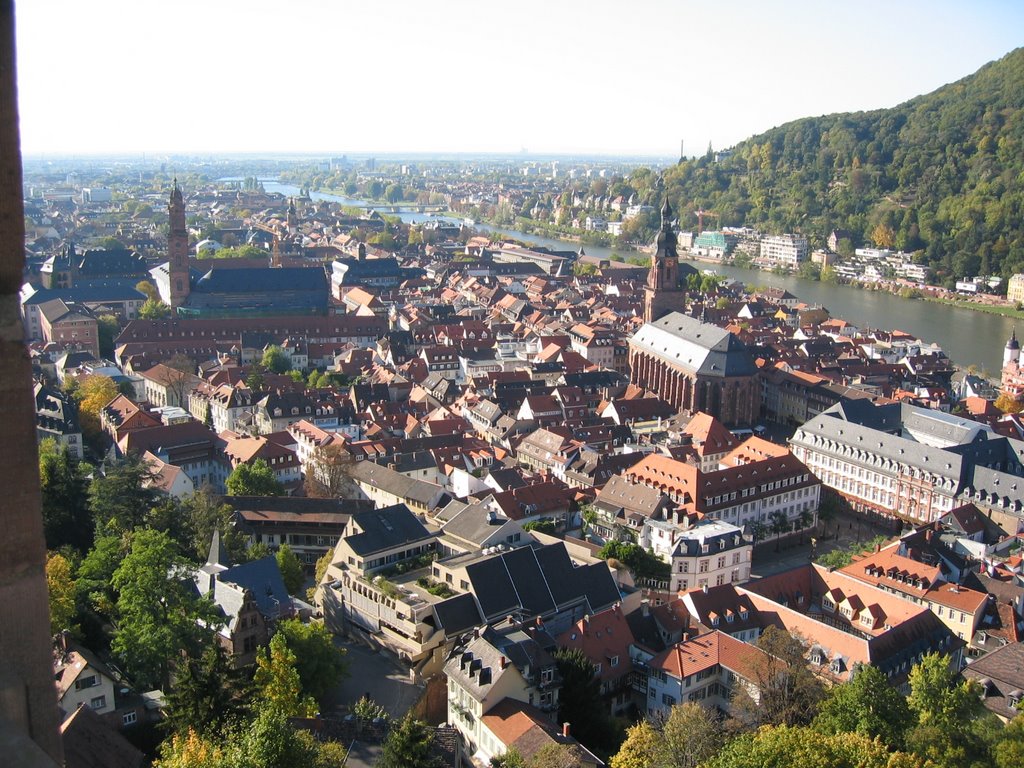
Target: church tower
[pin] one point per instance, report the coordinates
(662, 293)
(177, 249)
(1011, 353)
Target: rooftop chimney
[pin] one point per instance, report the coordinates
(565, 730)
(704, 589)
(503, 662)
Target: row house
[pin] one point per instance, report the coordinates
(311, 527)
(846, 622)
(958, 607)
(188, 446)
(57, 419)
(246, 449)
(747, 492)
(493, 673)
(911, 462)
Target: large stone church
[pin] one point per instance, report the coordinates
(220, 289)
(694, 366)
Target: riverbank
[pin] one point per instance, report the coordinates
(992, 309)
(969, 337)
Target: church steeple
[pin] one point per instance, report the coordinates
(662, 293)
(177, 249)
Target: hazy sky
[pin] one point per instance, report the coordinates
(477, 75)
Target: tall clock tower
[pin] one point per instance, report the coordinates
(662, 293)
(177, 249)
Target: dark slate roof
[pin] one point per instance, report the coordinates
(530, 585)
(699, 347)
(386, 528)
(493, 587)
(593, 379)
(89, 294)
(263, 579)
(558, 568)
(114, 261)
(256, 279)
(457, 614)
(538, 580)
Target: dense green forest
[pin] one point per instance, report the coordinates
(942, 175)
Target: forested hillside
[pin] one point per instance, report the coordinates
(942, 174)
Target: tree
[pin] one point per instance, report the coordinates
(1009, 752)
(867, 705)
(641, 749)
(154, 309)
(810, 271)
(61, 586)
(291, 569)
(579, 702)
(256, 479)
(795, 746)
(554, 756)
(319, 571)
(779, 524)
(409, 745)
(937, 698)
(270, 741)
(788, 693)
(148, 289)
(181, 378)
(107, 328)
(203, 513)
(278, 682)
(330, 473)
(92, 394)
(96, 572)
(121, 498)
(275, 360)
(208, 693)
(66, 518)
(158, 613)
(368, 709)
(254, 380)
(320, 663)
(691, 735)
(1007, 403)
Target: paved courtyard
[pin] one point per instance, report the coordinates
(840, 533)
(378, 674)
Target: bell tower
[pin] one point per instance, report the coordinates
(177, 249)
(662, 293)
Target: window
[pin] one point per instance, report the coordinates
(546, 676)
(668, 701)
(614, 661)
(98, 702)
(86, 682)
(129, 718)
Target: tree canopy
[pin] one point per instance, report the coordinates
(255, 479)
(158, 611)
(939, 174)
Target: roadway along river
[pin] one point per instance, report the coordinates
(969, 338)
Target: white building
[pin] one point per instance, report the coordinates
(709, 554)
(784, 250)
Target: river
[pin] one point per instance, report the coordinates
(968, 337)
